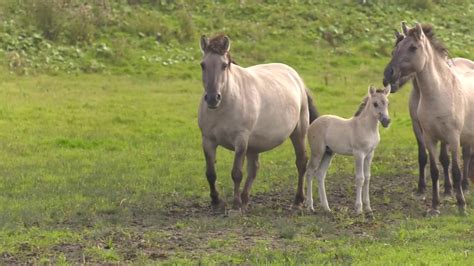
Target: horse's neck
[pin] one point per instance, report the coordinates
(435, 81)
(367, 120)
(235, 89)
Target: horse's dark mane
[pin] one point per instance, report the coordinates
(435, 42)
(399, 39)
(216, 46)
(364, 103)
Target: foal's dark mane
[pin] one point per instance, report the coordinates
(216, 46)
(364, 103)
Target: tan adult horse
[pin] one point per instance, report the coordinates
(446, 106)
(357, 136)
(461, 65)
(249, 111)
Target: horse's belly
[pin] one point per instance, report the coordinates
(264, 143)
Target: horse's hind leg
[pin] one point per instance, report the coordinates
(313, 165)
(467, 167)
(298, 140)
(321, 174)
(444, 159)
(457, 177)
(209, 148)
(252, 168)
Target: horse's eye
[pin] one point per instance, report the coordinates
(202, 65)
(224, 65)
(376, 105)
(412, 48)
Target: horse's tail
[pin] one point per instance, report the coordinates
(313, 112)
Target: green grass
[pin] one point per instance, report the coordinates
(108, 168)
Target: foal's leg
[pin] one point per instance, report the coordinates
(365, 195)
(359, 180)
(252, 168)
(298, 140)
(240, 152)
(457, 177)
(444, 159)
(313, 165)
(422, 157)
(321, 174)
(467, 167)
(431, 145)
(209, 148)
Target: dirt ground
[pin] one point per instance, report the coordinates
(191, 228)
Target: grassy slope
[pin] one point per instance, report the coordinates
(104, 168)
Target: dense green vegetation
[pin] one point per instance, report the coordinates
(100, 152)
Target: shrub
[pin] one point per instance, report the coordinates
(47, 16)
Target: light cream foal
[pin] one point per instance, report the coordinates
(357, 136)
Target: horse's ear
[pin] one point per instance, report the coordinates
(387, 90)
(204, 43)
(404, 28)
(372, 90)
(226, 44)
(398, 34)
(419, 31)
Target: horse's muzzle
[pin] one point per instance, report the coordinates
(385, 121)
(213, 100)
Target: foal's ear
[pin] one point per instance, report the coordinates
(387, 90)
(372, 90)
(419, 31)
(404, 28)
(204, 43)
(226, 43)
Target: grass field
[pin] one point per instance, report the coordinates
(108, 167)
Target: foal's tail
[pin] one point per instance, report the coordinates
(313, 112)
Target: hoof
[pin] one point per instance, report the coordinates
(218, 207)
(432, 212)
(369, 214)
(420, 191)
(233, 213)
(420, 197)
(447, 193)
(328, 210)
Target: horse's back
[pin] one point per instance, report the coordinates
(281, 76)
(331, 131)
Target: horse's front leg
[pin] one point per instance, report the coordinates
(240, 148)
(444, 159)
(422, 156)
(359, 180)
(209, 148)
(431, 146)
(366, 198)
